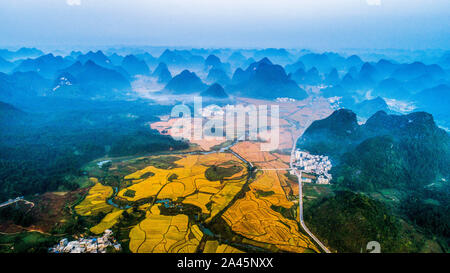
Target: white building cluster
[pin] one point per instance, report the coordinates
(62, 81)
(335, 102)
(101, 163)
(87, 245)
(317, 166)
(285, 100)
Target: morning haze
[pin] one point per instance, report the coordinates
(322, 24)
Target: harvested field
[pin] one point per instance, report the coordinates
(167, 128)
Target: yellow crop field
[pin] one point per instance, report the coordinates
(271, 182)
(223, 197)
(95, 201)
(107, 222)
(159, 184)
(253, 218)
(165, 234)
(215, 247)
(189, 182)
(200, 200)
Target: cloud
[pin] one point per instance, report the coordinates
(73, 2)
(373, 2)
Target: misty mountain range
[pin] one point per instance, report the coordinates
(267, 74)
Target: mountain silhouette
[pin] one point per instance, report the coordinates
(435, 100)
(92, 80)
(278, 55)
(237, 58)
(266, 80)
(116, 59)
(148, 58)
(311, 77)
(46, 65)
(20, 54)
(5, 66)
(97, 57)
(367, 108)
(134, 66)
(332, 78)
(181, 58)
(218, 76)
(291, 68)
(162, 73)
(22, 85)
(184, 83)
(416, 69)
(391, 88)
(215, 91)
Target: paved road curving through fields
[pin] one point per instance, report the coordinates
(300, 200)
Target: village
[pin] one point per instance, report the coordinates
(88, 245)
(314, 168)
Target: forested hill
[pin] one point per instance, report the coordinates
(39, 150)
(404, 157)
(409, 146)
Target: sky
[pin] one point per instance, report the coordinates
(312, 24)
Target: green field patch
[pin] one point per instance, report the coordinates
(261, 193)
(147, 175)
(287, 213)
(172, 177)
(161, 162)
(221, 145)
(26, 242)
(130, 193)
(216, 173)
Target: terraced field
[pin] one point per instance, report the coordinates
(95, 201)
(265, 214)
(188, 184)
(253, 218)
(165, 234)
(107, 222)
(191, 190)
(168, 195)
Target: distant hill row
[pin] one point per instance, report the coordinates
(363, 86)
(95, 75)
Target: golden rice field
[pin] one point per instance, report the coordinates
(165, 234)
(271, 176)
(190, 183)
(271, 182)
(107, 222)
(253, 218)
(95, 201)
